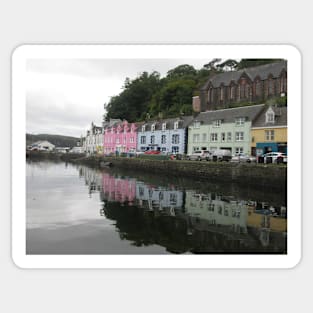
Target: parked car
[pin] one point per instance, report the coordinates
(153, 152)
(275, 157)
(199, 155)
(221, 155)
(242, 157)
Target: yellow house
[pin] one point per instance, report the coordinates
(269, 131)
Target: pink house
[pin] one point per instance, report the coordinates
(121, 137)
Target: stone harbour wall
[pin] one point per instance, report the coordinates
(265, 175)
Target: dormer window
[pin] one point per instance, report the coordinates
(143, 128)
(270, 116)
(153, 127)
(240, 121)
(176, 125)
(196, 124)
(164, 126)
(217, 123)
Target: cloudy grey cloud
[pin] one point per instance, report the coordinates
(65, 96)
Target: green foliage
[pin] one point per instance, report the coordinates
(245, 63)
(57, 140)
(149, 96)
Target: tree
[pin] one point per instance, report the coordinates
(181, 71)
(245, 63)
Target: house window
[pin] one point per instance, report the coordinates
(239, 150)
(143, 139)
(217, 123)
(176, 125)
(132, 140)
(258, 89)
(240, 121)
(203, 137)
(153, 127)
(163, 139)
(223, 137)
(175, 149)
(196, 137)
(232, 92)
(269, 135)
(270, 116)
(239, 136)
(229, 135)
(117, 140)
(214, 137)
(164, 126)
(271, 87)
(222, 94)
(195, 149)
(175, 139)
(196, 125)
(143, 128)
(152, 139)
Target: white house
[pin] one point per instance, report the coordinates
(42, 146)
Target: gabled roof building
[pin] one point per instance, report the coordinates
(250, 85)
(165, 135)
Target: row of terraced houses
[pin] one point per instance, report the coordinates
(254, 129)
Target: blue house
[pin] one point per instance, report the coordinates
(165, 135)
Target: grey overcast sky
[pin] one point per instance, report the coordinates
(65, 96)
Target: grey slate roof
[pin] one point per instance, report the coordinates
(280, 118)
(184, 122)
(262, 71)
(230, 115)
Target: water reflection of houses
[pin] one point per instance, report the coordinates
(118, 189)
(158, 198)
(241, 221)
(92, 179)
(212, 210)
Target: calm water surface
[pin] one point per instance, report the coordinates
(79, 210)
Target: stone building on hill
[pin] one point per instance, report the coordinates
(251, 85)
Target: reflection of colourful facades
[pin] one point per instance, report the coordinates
(153, 197)
(120, 137)
(118, 189)
(216, 211)
(223, 129)
(269, 131)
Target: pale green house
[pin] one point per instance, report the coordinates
(223, 129)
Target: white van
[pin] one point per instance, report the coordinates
(221, 155)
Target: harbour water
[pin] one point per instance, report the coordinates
(74, 209)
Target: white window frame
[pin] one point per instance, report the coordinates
(164, 126)
(238, 150)
(217, 123)
(223, 137)
(196, 124)
(270, 116)
(214, 137)
(270, 135)
(152, 139)
(143, 128)
(163, 142)
(239, 121)
(176, 125)
(196, 138)
(175, 139)
(239, 136)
